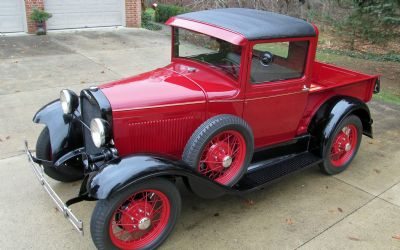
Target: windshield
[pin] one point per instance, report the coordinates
(212, 51)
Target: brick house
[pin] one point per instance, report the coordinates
(68, 14)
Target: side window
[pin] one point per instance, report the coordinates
(278, 61)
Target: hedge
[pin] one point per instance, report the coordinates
(165, 11)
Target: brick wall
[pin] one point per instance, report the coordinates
(133, 13)
(29, 6)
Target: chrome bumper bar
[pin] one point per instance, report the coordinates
(62, 207)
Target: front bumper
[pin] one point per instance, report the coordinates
(39, 172)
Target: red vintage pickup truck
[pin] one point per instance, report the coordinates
(242, 104)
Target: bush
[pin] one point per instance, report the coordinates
(164, 12)
(39, 16)
(376, 21)
(146, 18)
(146, 22)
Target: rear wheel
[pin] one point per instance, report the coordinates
(44, 152)
(140, 217)
(342, 146)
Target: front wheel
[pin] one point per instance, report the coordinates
(342, 146)
(140, 217)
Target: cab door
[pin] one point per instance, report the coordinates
(276, 90)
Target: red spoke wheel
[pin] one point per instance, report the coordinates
(140, 217)
(220, 149)
(342, 145)
(223, 156)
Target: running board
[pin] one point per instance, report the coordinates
(261, 173)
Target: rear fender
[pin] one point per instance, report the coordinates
(65, 131)
(332, 112)
(121, 173)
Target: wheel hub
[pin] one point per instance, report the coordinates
(144, 223)
(347, 147)
(227, 161)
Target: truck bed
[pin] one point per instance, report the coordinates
(346, 82)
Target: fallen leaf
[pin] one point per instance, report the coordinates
(102, 72)
(340, 210)
(377, 171)
(396, 237)
(354, 238)
(289, 221)
(249, 202)
(8, 137)
(82, 81)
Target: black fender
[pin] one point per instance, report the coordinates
(65, 131)
(333, 111)
(120, 173)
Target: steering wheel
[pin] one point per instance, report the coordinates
(233, 65)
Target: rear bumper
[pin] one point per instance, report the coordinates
(62, 207)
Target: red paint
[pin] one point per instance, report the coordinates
(224, 147)
(158, 111)
(344, 146)
(124, 229)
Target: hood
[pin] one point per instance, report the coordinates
(153, 89)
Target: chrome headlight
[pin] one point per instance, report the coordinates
(100, 131)
(69, 101)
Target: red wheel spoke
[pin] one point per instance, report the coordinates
(211, 162)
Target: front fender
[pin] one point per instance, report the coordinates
(334, 111)
(65, 132)
(123, 172)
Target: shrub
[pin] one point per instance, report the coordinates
(376, 21)
(164, 12)
(146, 22)
(39, 16)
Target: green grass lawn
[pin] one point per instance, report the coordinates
(387, 97)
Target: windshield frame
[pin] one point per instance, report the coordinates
(175, 54)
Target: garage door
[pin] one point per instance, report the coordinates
(11, 16)
(84, 13)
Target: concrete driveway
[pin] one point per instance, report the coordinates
(358, 209)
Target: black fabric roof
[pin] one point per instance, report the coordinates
(253, 24)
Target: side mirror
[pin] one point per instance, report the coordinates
(266, 58)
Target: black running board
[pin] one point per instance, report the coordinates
(262, 173)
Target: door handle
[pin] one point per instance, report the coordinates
(305, 88)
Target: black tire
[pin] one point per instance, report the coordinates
(326, 166)
(104, 211)
(43, 151)
(206, 132)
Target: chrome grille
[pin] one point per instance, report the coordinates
(89, 111)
